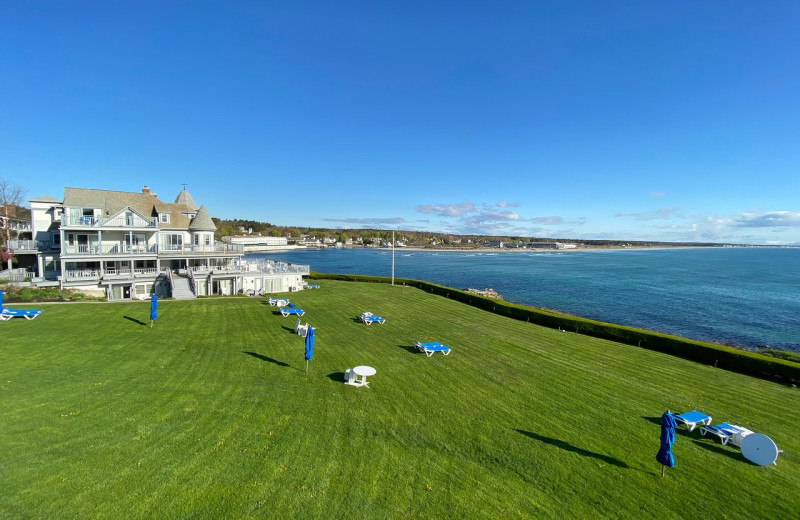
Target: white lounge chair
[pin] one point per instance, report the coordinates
(280, 302)
(692, 419)
(430, 349)
(302, 330)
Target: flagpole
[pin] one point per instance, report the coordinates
(392, 257)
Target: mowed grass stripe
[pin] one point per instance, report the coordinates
(210, 413)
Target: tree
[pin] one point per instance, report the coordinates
(10, 195)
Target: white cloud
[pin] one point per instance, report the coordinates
(549, 220)
(369, 221)
(470, 218)
(770, 219)
(657, 214)
(448, 210)
(658, 194)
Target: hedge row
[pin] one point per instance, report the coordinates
(719, 356)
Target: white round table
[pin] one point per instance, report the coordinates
(759, 449)
(364, 371)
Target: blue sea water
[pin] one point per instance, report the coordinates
(748, 297)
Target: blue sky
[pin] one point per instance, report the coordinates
(638, 120)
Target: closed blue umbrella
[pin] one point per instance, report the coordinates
(664, 455)
(1, 298)
(309, 346)
(153, 307)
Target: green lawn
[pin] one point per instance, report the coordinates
(210, 414)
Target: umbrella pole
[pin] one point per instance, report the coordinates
(306, 366)
(662, 471)
(151, 324)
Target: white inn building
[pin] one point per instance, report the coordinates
(130, 245)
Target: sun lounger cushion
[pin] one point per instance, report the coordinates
(692, 419)
(28, 314)
(372, 319)
(431, 348)
(723, 430)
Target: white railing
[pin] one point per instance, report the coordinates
(80, 274)
(127, 249)
(81, 249)
(262, 266)
(71, 274)
(15, 275)
(128, 222)
(88, 221)
(116, 249)
(219, 247)
(19, 226)
(24, 245)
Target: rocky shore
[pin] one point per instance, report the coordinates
(488, 293)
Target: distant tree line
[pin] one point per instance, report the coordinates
(227, 227)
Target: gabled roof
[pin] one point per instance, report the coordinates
(202, 221)
(45, 198)
(185, 199)
(124, 210)
(111, 202)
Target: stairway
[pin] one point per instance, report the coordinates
(181, 290)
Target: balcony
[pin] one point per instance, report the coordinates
(262, 267)
(116, 249)
(28, 246)
(73, 275)
(217, 248)
(135, 222)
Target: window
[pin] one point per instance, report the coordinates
(163, 218)
(172, 242)
(197, 240)
(208, 240)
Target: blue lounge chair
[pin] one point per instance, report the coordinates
(692, 419)
(369, 318)
(430, 349)
(286, 311)
(7, 314)
(724, 431)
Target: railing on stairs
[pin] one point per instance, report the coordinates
(168, 272)
(192, 286)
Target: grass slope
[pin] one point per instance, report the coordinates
(210, 414)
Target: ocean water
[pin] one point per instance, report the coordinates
(748, 297)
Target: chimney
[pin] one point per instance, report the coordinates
(146, 190)
(11, 210)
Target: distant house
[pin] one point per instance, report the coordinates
(542, 245)
(16, 221)
(257, 242)
(130, 245)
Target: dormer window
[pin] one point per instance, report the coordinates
(163, 218)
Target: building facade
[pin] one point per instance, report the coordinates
(130, 245)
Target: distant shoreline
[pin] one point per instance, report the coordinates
(524, 250)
